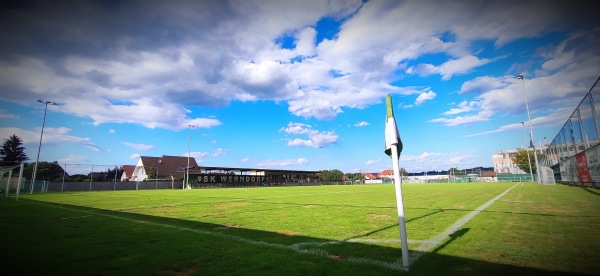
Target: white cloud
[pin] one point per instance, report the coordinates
(300, 143)
(199, 156)
(4, 115)
(111, 131)
(316, 138)
(218, 52)
(218, 152)
(134, 156)
(460, 66)
(481, 85)
(139, 146)
(282, 163)
(51, 136)
(361, 123)
(296, 128)
(245, 160)
(371, 162)
(462, 108)
(425, 96)
(74, 159)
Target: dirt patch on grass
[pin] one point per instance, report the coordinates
(288, 234)
(186, 272)
(226, 227)
(379, 216)
(231, 205)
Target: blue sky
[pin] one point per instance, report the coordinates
(296, 85)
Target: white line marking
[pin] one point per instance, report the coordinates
(437, 240)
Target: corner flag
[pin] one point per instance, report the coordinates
(393, 148)
(391, 130)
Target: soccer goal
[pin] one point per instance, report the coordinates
(11, 180)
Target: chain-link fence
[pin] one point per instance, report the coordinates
(574, 152)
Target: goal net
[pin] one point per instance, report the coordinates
(11, 180)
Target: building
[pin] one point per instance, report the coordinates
(503, 162)
(127, 172)
(165, 167)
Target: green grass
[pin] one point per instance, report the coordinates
(333, 230)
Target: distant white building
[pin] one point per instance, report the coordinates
(503, 162)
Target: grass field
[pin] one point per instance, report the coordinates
(453, 229)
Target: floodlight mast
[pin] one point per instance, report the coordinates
(187, 169)
(537, 167)
(527, 149)
(40, 145)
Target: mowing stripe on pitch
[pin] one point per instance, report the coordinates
(295, 247)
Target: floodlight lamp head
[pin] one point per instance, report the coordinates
(520, 77)
(40, 101)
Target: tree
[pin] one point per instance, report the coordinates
(79, 178)
(455, 171)
(12, 151)
(331, 176)
(522, 160)
(403, 172)
(45, 171)
(152, 173)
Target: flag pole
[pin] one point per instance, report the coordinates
(393, 148)
(400, 205)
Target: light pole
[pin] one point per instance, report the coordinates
(527, 149)
(156, 176)
(40, 146)
(537, 167)
(187, 170)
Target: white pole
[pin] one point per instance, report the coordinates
(62, 187)
(116, 172)
(91, 178)
(40, 145)
(8, 181)
(400, 204)
(187, 171)
(537, 167)
(527, 149)
(19, 183)
(393, 144)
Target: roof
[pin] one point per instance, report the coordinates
(168, 165)
(488, 174)
(128, 169)
(387, 172)
(371, 175)
(200, 169)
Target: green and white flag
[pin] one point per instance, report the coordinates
(392, 136)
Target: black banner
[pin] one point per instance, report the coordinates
(223, 178)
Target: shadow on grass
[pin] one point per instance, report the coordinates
(393, 225)
(591, 190)
(41, 238)
(461, 232)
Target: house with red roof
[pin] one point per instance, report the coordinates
(165, 167)
(127, 172)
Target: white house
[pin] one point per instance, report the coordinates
(166, 167)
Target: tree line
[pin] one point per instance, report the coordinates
(13, 153)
